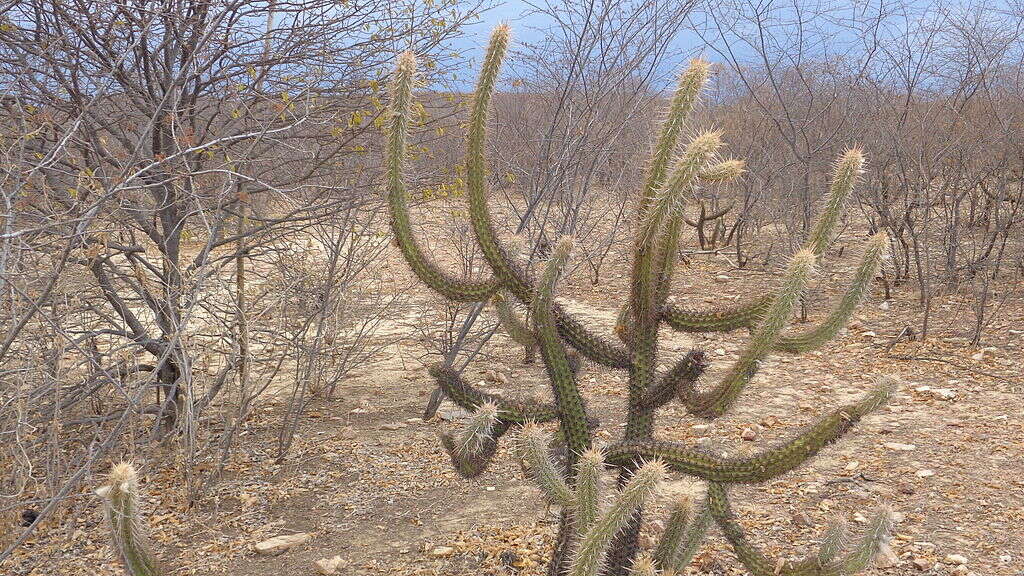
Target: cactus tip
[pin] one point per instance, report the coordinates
(407, 62)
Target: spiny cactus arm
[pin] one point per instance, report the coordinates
(718, 319)
(586, 503)
(533, 447)
(764, 466)
(817, 336)
(715, 402)
(758, 564)
(470, 463)
(691, 541)
(470, 398)
(572, 414)
(848, 168)
(505, 267)
(667, 253)
(691, 82)
(398, 125)
(679, 381)
(643, 566)
(121, 504)
(847, 171)
(833, 542)
(675, 529)
(516, 328)
(589, 556)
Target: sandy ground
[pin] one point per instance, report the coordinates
(369, 480)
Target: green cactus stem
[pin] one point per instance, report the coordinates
(817, 336)
(876, 535)
(764, 466)
(715, 402)
(466, 396)
(533, 447)
(398, 126)
(589, 557)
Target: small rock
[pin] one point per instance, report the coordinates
(869, 334)
(700, 428)
(749, 434)
(722, 278)
(280, 544)
(955, 559)
(884, 305)
(860, 518)
(850, 467)
(393, 426)
(719, 351)
(922, 564)
(899, 446)
(442, 551)
(327, 566)
(925, 473)
(944, 393)
(898, 517)
(886, 558)
(1006, 558)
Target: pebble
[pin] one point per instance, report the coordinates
(327, 566)
(955, 559)
(393, 426)
(749, 434)
(925, 473)
(899, 446)
(922, 564)
(442, 551)
(280, 544)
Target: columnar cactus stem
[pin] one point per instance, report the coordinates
(715, 402)
(588, 489)
(398, 127)
(593, 547)
(592, 542)
(127, 526)
(533, 446)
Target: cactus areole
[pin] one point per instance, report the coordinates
(599, 536)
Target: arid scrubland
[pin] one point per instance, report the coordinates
(708, 288)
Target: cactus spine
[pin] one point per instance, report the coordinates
(593, 540)
(121, 505)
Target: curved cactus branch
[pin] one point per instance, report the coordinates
(470, 398)
(472, 461)
(127, 526)
(817, 336)
(764, 466)
(715, 402)
(844, 177)
(572, 413)
(516, 278)
(678, 382)
(718, 319)
(398, 127)
(759, 564)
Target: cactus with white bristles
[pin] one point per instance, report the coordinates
(603, 540)
(121, 503)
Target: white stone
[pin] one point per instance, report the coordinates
(956, 559)
(442, 551)
(900, 447)
(281, 544)
(925, 473)
(328, 566)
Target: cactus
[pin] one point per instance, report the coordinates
(603, 539)
(121, 504)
